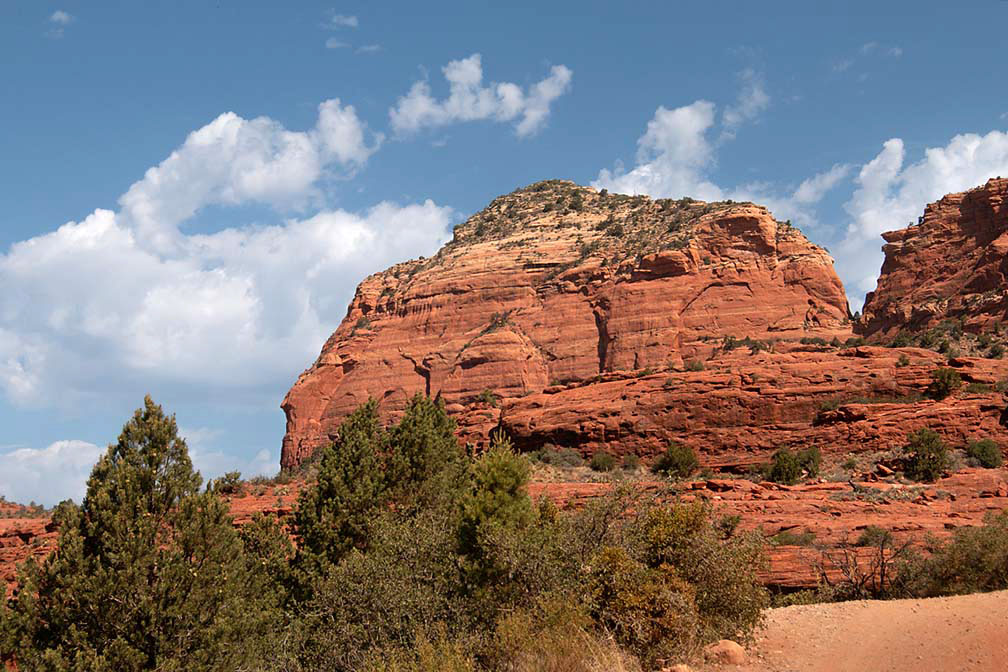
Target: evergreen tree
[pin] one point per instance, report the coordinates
(425, 464)
(337, 513)
(149, 572)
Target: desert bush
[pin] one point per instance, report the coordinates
(631, 462)
(986, 453)
(791, 538)
(603, 461)
(558, 457)
(555, 636)
(872, 567)
(944, 382)
(650, 611)
(927, 456)
(488, 397)
(678, 461)
(903, 361)
(728, 597)
(784, 467)
(228, 484)
(974, 560)
(694, 365)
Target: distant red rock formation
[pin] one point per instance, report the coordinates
(952, 265)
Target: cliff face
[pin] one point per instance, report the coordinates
(953, 264)
(557, 285)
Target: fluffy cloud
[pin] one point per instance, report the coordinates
(90, 308)
(233, 160)
(48, 475)
(469, 100)
(889, 195)
(58, 22)
(676, 156)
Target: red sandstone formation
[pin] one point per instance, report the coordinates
(556, 285)
(953, 264)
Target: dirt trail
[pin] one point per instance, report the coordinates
(968, 633)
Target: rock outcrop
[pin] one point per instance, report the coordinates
(952, 265)
(557, 286)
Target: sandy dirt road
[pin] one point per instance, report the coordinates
(967, 633)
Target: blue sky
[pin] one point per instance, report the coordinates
(191, 191)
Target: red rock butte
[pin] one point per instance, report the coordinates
(599, 321)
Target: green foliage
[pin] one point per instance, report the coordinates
(150, 573)
(678, 461)
(603, 461)
(631, 462)
(944, 382)
(650, 611)
(850, 464)
(986, 453)
(694, 365)
(729, 598)
(974, 560)
(927, 456)
(228, 484)
(873, 535)
(497, 503)
(558, 457)
(488, 397)
(789, 467)
(335, 515)
(902, 361)
(791, 538)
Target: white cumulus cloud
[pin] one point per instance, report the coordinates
(752, 101)
(48, 475)
(90, 308)
(233, 160)
(470, 100)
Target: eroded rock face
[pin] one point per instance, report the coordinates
(555, 285)
(953, 264)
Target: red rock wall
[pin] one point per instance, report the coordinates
(953, 264)
(539, 290)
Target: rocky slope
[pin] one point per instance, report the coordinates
(558, 285)
(952, 265)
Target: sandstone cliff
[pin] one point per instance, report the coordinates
(557, 286)
(953, 264)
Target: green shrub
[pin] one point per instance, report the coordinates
(850, 464)
(488, 397)
(974, 560)
(650, 611)
(986, 453)
(558, 457)
(996, 351)
(927, 455)
(603, 461)
(902, 361)
(228, 484)
(631, 462)
(694, 365)
(729, 598)
(791, 538)
(874, 535)
(810, 460)
(678, 461)
(785, 467)
(978, 388)
(944, 382)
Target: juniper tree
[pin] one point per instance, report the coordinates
(149, 572)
